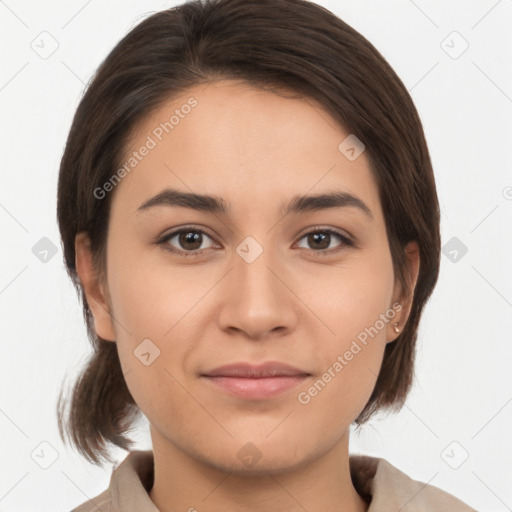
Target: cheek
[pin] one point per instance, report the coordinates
(353, 304)
(350, 364)
(157, 308)
(350, 297)
(153, 349)
(148, 296)
(157, 391)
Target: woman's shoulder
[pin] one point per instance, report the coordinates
(101, 503)
(387, 488)
(129, 485)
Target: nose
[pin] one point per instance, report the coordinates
(256, 298)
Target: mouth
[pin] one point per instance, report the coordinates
(255, 382)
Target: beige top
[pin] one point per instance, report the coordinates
(385, 487)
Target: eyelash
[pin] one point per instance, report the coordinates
(346, 242)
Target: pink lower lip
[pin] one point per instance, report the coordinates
(257, 388)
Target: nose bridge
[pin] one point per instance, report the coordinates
(255, 268)
(257, 301)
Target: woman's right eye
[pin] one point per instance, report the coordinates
(188, 238)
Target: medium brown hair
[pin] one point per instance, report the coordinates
(278, 45)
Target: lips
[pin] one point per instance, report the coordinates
(247, 370)
(255, 382)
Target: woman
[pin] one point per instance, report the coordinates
(248, 210)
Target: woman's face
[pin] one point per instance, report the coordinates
(254, 287)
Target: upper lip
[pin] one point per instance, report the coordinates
(247, 370)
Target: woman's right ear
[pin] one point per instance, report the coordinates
(93, 288)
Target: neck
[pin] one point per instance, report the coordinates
(183, 483)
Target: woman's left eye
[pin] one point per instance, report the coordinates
(191, 239)
(321, 238)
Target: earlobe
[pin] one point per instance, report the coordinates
(406, 296)
(93, 288)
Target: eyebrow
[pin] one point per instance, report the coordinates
(217, 205)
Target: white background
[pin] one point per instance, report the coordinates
(462, 389)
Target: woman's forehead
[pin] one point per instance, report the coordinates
(241, 142)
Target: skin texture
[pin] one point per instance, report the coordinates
(254, 149)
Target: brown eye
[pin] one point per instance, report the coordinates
(319, 241)
(188, 241)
